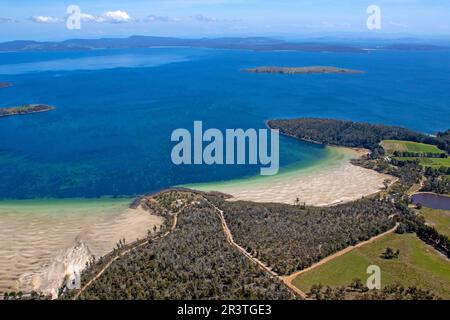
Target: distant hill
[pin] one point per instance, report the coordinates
(252, 43)
(249, 43)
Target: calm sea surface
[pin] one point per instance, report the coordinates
(116, 109)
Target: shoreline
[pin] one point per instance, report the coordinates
(432, 193)
(325, 183)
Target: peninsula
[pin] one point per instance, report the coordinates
(301, 70)
(286, 243)
(25, 109)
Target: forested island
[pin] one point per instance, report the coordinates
(25, 109)
(5, 85)
(301, 70)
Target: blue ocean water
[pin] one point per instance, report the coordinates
(116, 109)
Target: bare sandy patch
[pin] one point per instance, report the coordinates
(332, 183)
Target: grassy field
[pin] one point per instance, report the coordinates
(429, 162)
(397, 145)
(440, 219)
(418, 264)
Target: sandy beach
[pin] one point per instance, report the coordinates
(331, 181)
(44, 241)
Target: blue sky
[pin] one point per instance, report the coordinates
(45, 19)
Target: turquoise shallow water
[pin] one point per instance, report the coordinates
(116, 109)
(332, 157)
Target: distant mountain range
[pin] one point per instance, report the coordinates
(250, 43)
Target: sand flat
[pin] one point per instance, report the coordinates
(44, 240)
(334, 181)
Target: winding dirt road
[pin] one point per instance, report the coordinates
(258, 262)
(287, 280)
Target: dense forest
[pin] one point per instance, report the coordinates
(358, 291)
(439, 185)
(290, 238)
(431, 236)
(193, 262)
(443, 140)
(354, 134)
(407, 154)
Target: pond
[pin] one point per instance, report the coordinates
(432, 200)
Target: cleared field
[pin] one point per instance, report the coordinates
(418, 265)
(390, 146)
(429, 162)
(440, 219)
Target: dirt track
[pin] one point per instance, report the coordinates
(287, 280)
(258, 262)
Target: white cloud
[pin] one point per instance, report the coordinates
(107, 17)
(45, 19)
(153, 18)
(115, 17)
(86, 17)
(203, 18)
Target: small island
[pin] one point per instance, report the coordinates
(301, 70)
(5, 84)
(25, 109)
